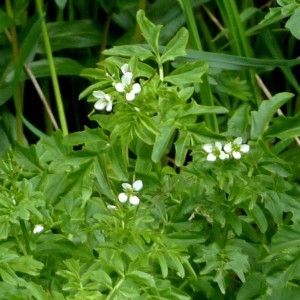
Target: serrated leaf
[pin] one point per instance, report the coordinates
(176, 47)
(266, 111)
(149, 31)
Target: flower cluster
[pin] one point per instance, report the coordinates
(130, 192)
(126, 86)
(233, 149)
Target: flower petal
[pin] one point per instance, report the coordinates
(134, 200)
(130, 96)
(125, 68)
(236, 154)
(238, 141)
(228, 147)
(119, 87)
(126, 78)
(245, 148)
(126, 186)
(98, 94)
(100, 104)
(136, 88)
(223, 155)
(109, 106)
(218, 145)
(137, 185)
(123, 197)
(208, 148)
(211, 157)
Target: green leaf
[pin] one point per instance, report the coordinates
(126, 50)
(188, 73)
(163, 264)
(176, 47)
(222, 61)
(63, 65)
(258, 217)
(254, 286)
(27, 264)
(5, 21)
(99, 166)
(293, 24)
(4, 227)
(193, 108)
(286, 239)
(181, 147)
(72, 34)
(149, 31)
(162, 141)
(117, 161)
(239, 122)
(143, 277)
(61, 3)
(284, 128)
(266, 110)
(88, 136)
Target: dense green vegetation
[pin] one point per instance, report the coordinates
(149, 149)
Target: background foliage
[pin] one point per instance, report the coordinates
(209, 70)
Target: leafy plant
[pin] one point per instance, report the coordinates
(170, 196)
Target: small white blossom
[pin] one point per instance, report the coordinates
(215, 151)
(38, 228)
(126, 86)
(130, 192)
(236, 148)
(104, 101)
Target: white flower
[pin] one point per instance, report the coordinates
(126, 86)
(104, 101)
(38, 228)
(130, 191)
(215, 151)
(236, 148)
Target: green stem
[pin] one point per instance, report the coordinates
(205, 90)
(18, 95)
(58, 98)
(111, 294)
(25, 236)
(105, 34)
(138, 33)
